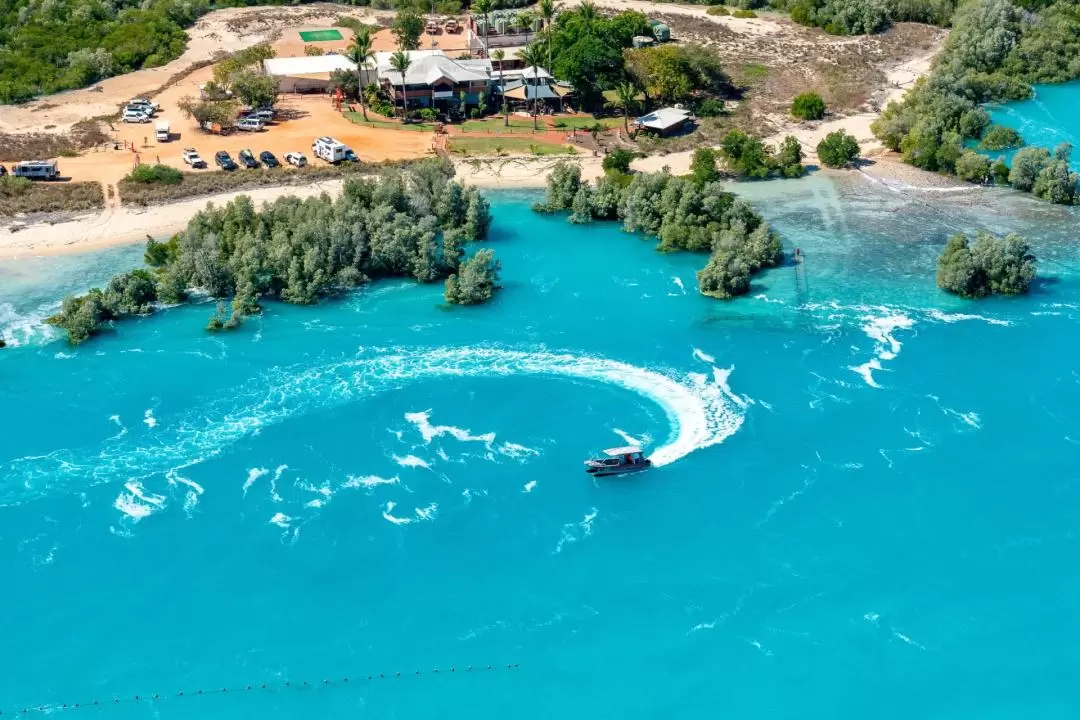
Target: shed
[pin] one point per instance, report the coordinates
(311, 73)
(666, 121)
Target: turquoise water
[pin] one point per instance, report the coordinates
(865, 504)
(1046, 120)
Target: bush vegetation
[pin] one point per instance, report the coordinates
(19, 196)
(837, 149)
(749, 157)
(476, 280)
(994, 53)
(999, 137)
(744, 13)
(162, 174)
(408, 223)
(808, 106)
(618, 160)
(718, 10)
(682, 213)
(989, 266)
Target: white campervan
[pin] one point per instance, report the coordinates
(329, 149)
(161, 132)
(37, 169)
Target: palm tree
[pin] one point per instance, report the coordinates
(400, 62)
(626, 99)
(484, 7)
(587, 12)
(530, 55)
(359, 52)
(548, 10)
(498, 56)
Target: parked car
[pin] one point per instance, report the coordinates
(144, 102)
(295, 158)
(250, 124)
(351, 156)
(248, 160)
(224, 160)
(264, 116)
(192, 158)
(134, 116)
(268, 159)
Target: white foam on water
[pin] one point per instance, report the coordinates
(427, 513)
(194, 491)
(881, 329)
(30, 328)
(721, 375)
(866, 370)
(282, 520)
(958, 317)
(703, 356)
(679, 284)
(274, 481)
(123, 430)
(516, 451)
(758, 645)
(253, 475)
(149, 419)
(136, 503)
(316, 503)
(701, 626)
(422, 421)
(411, 461)
(700, 413)
(872, 618)
(630, 439)
(529, 486)
(467, 494)
(388, 515)
(370, 482)
(904, 638)
(574, 532)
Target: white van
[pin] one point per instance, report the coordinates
(162, 131)
(37, 169)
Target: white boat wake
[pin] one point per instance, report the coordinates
(699, 409)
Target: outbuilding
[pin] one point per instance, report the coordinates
(666, 121)
(311, 73)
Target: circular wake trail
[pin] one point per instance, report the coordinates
(699, 410)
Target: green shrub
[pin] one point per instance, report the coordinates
(991, 266)
(703, 166)
(162, 174)
(999, 137)
(742, 13)
(808, 106)
(838, 149)
(717, 10)
(973, 167)
(710, 107)
(618, 160)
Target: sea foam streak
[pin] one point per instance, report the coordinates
(699, 411)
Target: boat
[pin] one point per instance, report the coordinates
(619, 461)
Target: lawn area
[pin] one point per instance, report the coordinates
(488, 145)
(498, 125)
(581, 123)
(320, 35)
(379, 122)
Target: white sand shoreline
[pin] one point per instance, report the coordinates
(115, 226)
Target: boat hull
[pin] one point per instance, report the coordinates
(617, 470)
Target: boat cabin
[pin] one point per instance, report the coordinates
(618, 461)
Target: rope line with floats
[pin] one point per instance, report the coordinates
(279, 685)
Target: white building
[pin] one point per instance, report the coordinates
(311, 73)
